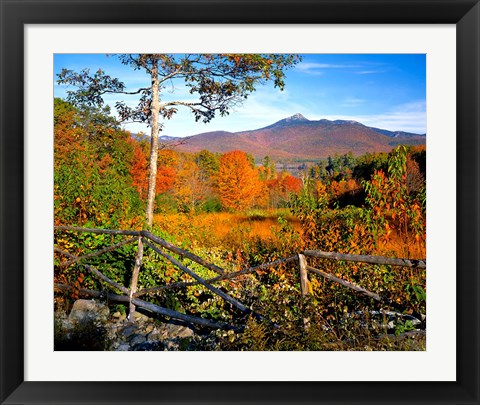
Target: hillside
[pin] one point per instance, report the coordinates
(297, 137)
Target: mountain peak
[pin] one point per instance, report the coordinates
(295, 117)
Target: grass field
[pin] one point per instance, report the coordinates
(223, 228)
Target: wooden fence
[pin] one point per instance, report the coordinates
(147, 239)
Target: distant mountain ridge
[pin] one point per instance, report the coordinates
(297, 137)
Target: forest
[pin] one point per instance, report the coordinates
(238, 212)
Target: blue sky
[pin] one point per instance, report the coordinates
(386, 91)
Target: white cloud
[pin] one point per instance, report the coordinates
(265, 107)
(369, 72)
(352, 102)
(409, 117)
(314, 68)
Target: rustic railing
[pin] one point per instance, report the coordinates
(147, 239)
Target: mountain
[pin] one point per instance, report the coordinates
(167, 138)
(294, 119)
(296, 137)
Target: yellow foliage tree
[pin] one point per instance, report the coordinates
(191, 186)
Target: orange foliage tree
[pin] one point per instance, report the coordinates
(139, 171)
(168, 161)
(92, 183)
(165, 179)
(165, 172)
(238, 182)
(281, 187)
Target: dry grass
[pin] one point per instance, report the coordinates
(400, 245)
(214, 228)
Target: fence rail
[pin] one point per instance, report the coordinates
(147, 239)
(419, 264)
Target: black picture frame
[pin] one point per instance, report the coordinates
(15, 14)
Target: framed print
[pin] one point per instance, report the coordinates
(39, 38)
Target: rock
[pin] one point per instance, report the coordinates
(149, 346)
(385, 319)
(172, 345)
(85, 329)
(155, 335)
(84, 311)
(128, 330)
(178, 331)
(91, 327)
(141, 318)
(137, 339)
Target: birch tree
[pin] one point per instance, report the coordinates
(218, 82)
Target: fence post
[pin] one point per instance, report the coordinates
(302, 262)
(133, 284)
(304, 285)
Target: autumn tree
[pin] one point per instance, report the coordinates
(282, 187)
(168, 158)
(394, 207)
(166, 176)
(238, 182)
(267, 170)
(167, 167)
(220, 82)
(67, 134)
(208, 162)
(191, 186)
(92, 183)
(139, 171)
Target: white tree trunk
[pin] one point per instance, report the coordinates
(155, 110)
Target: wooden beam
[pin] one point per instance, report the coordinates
(97, 252)
(133, 284)
(150, 307)
(259, 267)
(97, 230)
(302, 262)
(419, 264)
(345, 283)
(226, 276)
(213, 289)
(95, 272)
(182, 252)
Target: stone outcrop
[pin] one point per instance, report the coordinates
(85, 311)
(90, 326)
(148, 335)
